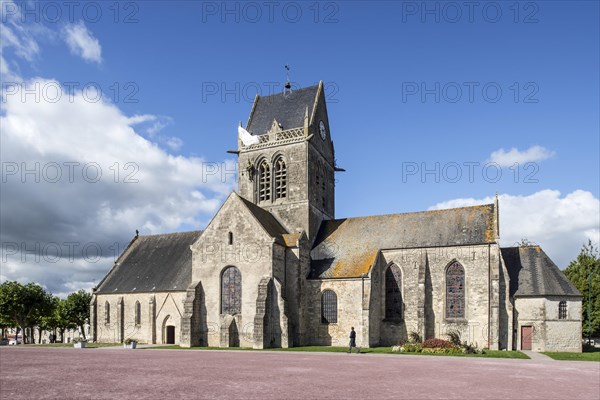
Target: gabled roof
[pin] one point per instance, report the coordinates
(153, 263)
(347, 248)
(266, 219)
(532, 273)
(288, 108)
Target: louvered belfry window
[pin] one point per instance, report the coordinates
(393, 293)
(264, 182)
(329, 307)
(280, 179)
(231, 291)
(455, 291)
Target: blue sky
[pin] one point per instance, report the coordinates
(186, 73)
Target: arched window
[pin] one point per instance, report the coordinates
(138, 313)
(455, 291)
(393, 293)
(230, 238)
(280, 179)
(107, 313)
(562, 310)
(264, 181)
(231, 291)
(329, 307)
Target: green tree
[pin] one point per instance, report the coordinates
(61, 318)
(78, 309)
(584, 273)
(22, 304)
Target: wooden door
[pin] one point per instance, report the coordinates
(170, 334)
(526, 334)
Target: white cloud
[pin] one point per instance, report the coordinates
(82, 42)
(508, 158)
(140, 186)
(561, 225)
(174, 143)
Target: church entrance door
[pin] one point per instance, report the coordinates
(526, 333)
(170, 333)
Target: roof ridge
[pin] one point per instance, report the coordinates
(411, 212)
(171, 233)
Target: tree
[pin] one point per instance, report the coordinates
(78, 309)
(61, 318)
(584, 273)
(22, 304)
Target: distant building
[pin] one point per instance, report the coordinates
(274, 268)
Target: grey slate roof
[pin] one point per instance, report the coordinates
(532, 273)
(289, 110)
(347, 248)
(267, 220)
(153, 263)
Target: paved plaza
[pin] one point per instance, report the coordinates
(64, 373)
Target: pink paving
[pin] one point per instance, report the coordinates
(62, 373)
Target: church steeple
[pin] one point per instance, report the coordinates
(290, 170)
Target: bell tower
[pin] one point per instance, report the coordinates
(286, 158)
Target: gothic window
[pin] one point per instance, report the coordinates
(138, 313)
(107, 313)
(231, 291)
(280, 179)
(562, 310)
(264, 181)
(393, 293)
(329, 307)
(230, 238)
(455, 291)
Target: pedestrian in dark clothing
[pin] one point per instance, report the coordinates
(353, 341)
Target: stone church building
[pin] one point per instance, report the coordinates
(275, 268)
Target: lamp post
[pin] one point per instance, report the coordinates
(590, 308)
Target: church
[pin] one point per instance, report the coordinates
(275, 268)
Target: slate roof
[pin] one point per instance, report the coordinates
(288, 108)
(267, 220)
(153, 263)
(532, 273)
(347, 248)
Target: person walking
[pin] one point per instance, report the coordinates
(353, 341)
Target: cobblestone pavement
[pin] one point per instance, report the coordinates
(64, 373)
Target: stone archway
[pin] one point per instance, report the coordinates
(168, 330)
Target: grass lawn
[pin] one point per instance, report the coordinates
(588, 355)
(371, 350)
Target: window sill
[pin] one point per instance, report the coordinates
(456, 320)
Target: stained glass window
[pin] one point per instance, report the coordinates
(562, 310)
(280, 179)
(264, 182)
(393, 293)
(231, 291)
(455, 291)
(329, 307)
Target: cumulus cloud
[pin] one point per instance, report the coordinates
(82, 42)
(508, 158)
(78, 180)
(559, 224)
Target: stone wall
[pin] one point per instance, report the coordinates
(349, 312)
(424, 294)
(549, 332)
(157, 311)
(253, 252)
